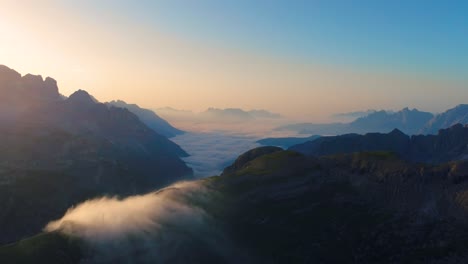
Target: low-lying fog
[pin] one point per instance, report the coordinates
(211, 152)
(215, 145)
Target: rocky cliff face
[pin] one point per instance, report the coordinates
(15, 86)
(21, 93)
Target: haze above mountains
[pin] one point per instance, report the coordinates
(226, 120)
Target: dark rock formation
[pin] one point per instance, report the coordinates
(449, 144)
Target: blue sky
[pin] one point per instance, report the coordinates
(422, 36)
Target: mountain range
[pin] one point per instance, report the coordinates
(217, 115)
(351, 116)
(65, 150)
(448, 145)
(411, 122)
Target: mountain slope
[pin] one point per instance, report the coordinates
(449, 144)
(150, 118)
(283, 207)
(457, 115)
(406, 120)
(57, 152)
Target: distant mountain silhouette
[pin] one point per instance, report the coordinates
(406, 120)
(263, 114)
(350, 116)
(228, 114)
(150, 118)
(450, 144)
(236, 115)
(453, 116)
(217, 115)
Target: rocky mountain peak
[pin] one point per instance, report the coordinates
(397, 132)
(7, 75)
(50, 86)
(82, 97)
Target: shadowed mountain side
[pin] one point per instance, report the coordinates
(150, 118)
(449, 144)
(57, 152)
(356, 208)
(283, 207)
(42, 174)
(80, 114)
(351, 116)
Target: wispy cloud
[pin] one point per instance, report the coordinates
(152, 228)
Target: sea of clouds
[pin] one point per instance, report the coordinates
(211, 152)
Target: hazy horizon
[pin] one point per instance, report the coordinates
(306, 61)
(186, 118)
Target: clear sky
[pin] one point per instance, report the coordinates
(304, 59)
